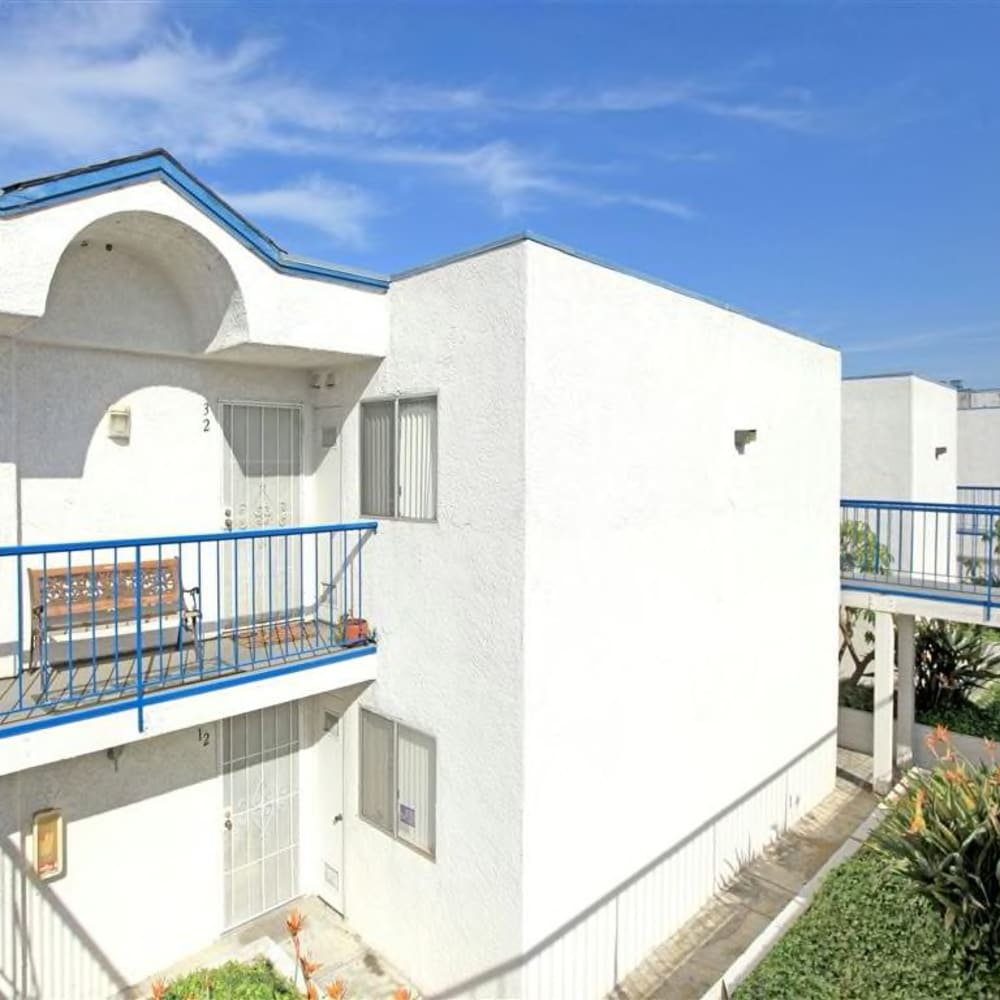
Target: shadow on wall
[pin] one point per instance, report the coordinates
(38, 933)
(591, 954)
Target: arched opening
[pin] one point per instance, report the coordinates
(141, 281)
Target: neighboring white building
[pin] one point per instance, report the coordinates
(900, 439)
(590, 489)
(979, 444)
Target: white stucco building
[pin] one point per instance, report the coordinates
(575, 493)
(900, 439)
(979, 444)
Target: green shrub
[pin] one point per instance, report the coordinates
(944, 838)
(866, 936)
(953, 661)
(969, 718)
(255, 980)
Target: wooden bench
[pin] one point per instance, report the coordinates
(64, 599)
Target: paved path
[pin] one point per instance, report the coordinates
(691, 961)
(326, 938)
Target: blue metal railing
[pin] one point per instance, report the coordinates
(105, 626)
(944, 551)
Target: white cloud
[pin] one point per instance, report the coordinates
(963, 333)
(339, 210)
(91, 81)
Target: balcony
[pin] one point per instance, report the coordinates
(938, 559)
(118, 626)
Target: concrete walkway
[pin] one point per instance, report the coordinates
(325, 938)
(691, 962)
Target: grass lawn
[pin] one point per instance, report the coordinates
(866, 936)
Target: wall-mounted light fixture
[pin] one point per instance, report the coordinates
(48, 835)
(328, 436)
(940, 450)
(316, 380)
(114, 753)
(743, 437)
(119, 423)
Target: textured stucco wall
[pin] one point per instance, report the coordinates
(654, 554)
(279, 310)
(979, 446)
(891, 428)
(876, 450)
(446, 599)
(143, 882)
(934, 424)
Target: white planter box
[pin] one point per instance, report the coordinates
(854, 732)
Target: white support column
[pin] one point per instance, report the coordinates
(884, 742)
(906, 696)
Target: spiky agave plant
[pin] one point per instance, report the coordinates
(944, 836)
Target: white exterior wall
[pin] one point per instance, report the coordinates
(273, 310)
(143, 882)
(934, 425)
(446, 599)
(892, 426)
(655, 555)
(979, 446)
(876, 451)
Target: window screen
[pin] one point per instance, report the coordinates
(415, 767)
(378, 791)
(399, 458)
(398, 781)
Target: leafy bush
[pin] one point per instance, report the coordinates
(859, 696)
(256, 980)
(944, 837)
(952, 662)
(970, 719)
(866, 936)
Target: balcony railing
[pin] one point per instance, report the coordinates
(89, 628)
(940, 551)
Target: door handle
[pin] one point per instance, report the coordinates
(339, 818)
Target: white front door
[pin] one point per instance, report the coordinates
(262, 488)
(330, 799)
(260, 769)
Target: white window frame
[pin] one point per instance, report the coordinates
(394, 487)
(431, 854)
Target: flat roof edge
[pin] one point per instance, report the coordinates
(529, 236)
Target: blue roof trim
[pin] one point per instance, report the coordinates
(45, 192)
(533, 237)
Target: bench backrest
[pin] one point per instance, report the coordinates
(107, 590)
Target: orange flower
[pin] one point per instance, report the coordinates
(941, 732)
(295, 922)
(311, 992)
(159, 989)
(401, 993)
(308, 968)
(336, 990)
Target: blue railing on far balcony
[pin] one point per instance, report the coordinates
(90, 628)
(941, 551)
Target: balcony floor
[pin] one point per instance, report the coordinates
(103, 679)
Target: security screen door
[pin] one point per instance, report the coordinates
(262, 578)
(260, 770)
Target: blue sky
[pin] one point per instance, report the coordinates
(833, 169)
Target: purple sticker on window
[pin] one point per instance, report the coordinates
(407, 815)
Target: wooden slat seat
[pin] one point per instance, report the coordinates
(85, 596)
